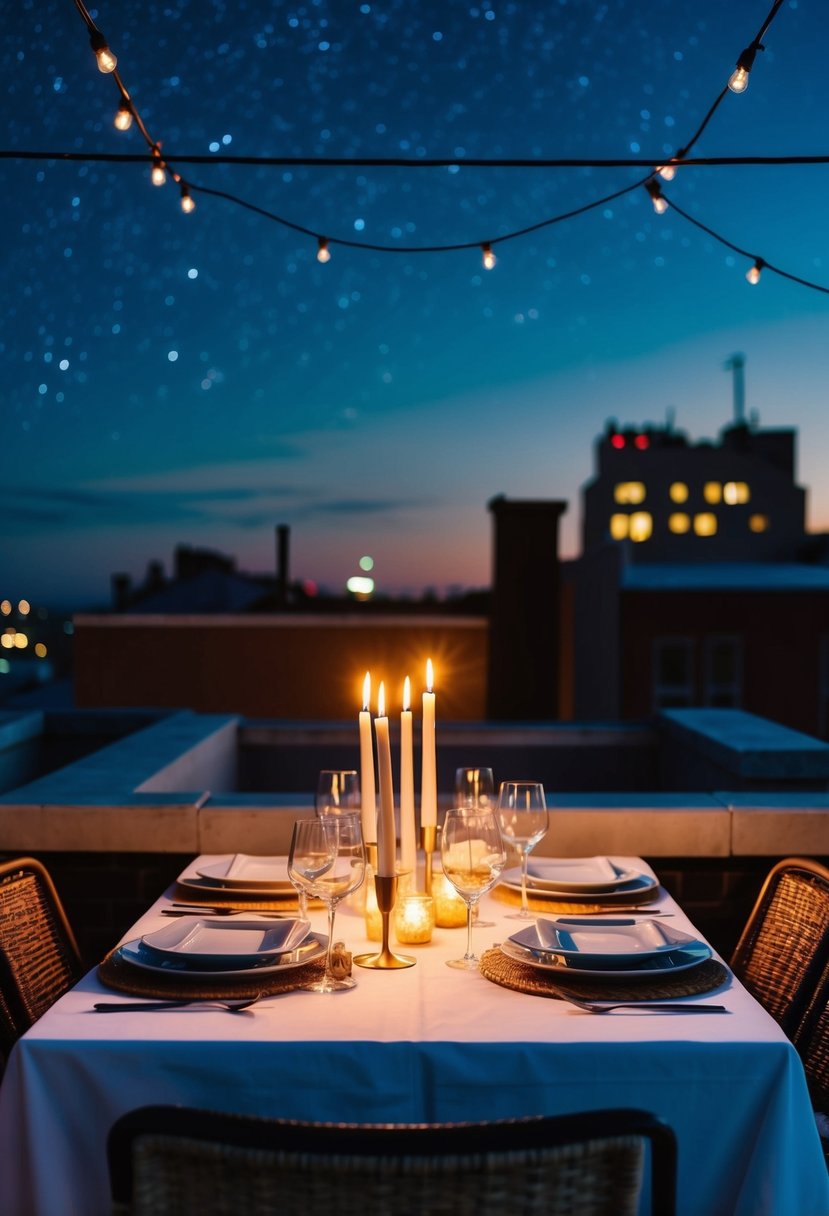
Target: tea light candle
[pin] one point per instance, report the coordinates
(414, 918)
(386, 835)
(408, 847)
(450, 910)
(428, 779)
(368, 800)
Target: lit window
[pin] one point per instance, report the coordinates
(679, 492)
(759, 523)
(705, 524)
(641, 525)
(619, 526)
(629, 491)
(40, 650)
(679, 522)
(712, 492)
(734, 492)
(5, 607)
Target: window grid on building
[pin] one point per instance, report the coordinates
(673, 672)
(723, 671)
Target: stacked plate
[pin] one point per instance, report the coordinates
(241, 874)
(210, 946)
(616, 947)
(582, 880)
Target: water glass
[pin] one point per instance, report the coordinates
(522, 815)
(473, 856)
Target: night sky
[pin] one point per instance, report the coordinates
(199, 379)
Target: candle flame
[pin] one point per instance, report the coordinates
(381, 701)
(407, 693)
(429, 675)
(367, 690)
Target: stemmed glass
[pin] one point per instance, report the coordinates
(474, 787)
(475, 790)
(338, 792)
(522, 815)
(473, 857)
(328, 860)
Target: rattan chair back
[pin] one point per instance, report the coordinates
(812, 1042)
(39, 958)
(170, 1160)
(785, 943)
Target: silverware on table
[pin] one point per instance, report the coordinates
(233, 1005)
(643, 1006)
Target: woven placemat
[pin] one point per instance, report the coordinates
(117, 972)
(540, 903)
(222, 897)
(495, 966)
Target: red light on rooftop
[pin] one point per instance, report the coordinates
(642, 442)
(618, 441)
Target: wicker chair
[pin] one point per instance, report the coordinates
(175, 1161)
(39, 958)
(812, 1042)
(785, 943)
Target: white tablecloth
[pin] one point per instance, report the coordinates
(426, 1044)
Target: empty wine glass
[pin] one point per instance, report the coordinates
(328, 859)
(338, 792)
(473, 856)
(522, 815)
(474, 787)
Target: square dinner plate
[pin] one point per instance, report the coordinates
(223, 943)
(244, 871)
(603, 940)
(588, 874)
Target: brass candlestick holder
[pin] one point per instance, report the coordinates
(386, 888)
(428, 839)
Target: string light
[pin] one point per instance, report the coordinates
(123, 116)
(158, 175)
(660, 203)
(107, 62)
(753, 274)
(738, 80)
(127, 113)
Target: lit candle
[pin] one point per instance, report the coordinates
(386, 840)
(408, 848)
(369, 802)
(414, 918)
(428, 776)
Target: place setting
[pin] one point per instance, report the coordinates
(584, 884)
(236, 881)
(608, 958)
(212, 957)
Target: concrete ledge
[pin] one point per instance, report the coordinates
(749, 746)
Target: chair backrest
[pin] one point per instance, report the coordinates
(39, 958)
(785, 942)
(812, 1042)
(168, 1159)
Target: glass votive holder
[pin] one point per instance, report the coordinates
(450, 910)
(414, 918)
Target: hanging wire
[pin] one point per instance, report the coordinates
(107, 62)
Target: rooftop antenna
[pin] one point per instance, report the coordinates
(737, 364)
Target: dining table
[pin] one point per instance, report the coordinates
(425, 1043)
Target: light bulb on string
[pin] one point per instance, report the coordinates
(668, 171)
(323, 252)
(187, 202)
(488, 257)
(107, 62)
(123, 116)
(158, 175)
(753, 274)
(738, 80)
(660, 203)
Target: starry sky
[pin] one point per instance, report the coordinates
(199, 379)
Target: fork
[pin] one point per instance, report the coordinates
(640, 1006)
(233, 1005)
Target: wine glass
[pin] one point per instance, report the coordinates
(474, 787)
(473, 856)
(338, 792)
(522, 815)
(328, 860)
